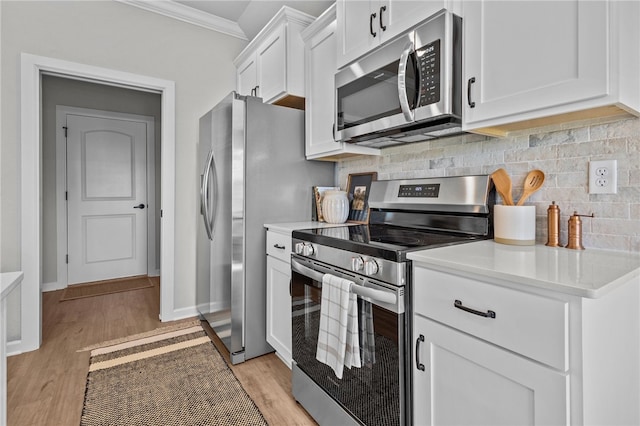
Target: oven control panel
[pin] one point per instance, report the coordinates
(419, 191)
(381, 269)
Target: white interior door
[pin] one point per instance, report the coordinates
(106, 198)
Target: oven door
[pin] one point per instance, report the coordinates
(376, 392)
(378, 92)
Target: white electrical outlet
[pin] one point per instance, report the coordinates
(603, 177)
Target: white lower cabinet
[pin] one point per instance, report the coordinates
(467, 381)
(488, 351)
(278, 296)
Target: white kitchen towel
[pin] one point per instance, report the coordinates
(367, 336)
(338, 344)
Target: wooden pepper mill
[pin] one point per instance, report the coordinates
(575, 231)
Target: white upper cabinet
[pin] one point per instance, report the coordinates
(363, 25)
(526, 61)
(272, 65)
(247, 76)
(320, 68)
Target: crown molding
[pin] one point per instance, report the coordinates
(190, 15)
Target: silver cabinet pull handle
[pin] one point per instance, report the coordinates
(489, 314)
(419, 365)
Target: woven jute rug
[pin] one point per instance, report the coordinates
(174, 378)
(99, 288)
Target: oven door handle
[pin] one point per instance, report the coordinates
(378, 295)
(306, 271)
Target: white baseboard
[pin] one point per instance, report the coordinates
(14, 347)
(53, 286)
(182, 313)
(218, 306)
(45, 287)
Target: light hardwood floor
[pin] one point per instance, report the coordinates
(46, 387)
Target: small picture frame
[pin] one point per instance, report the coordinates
(358, 187)
(318, 195)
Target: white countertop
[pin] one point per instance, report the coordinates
(585, 273)
(8, 281)
(289, 227)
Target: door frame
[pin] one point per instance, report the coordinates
(32, 67)
(62, 111)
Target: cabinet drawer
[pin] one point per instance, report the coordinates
(532, 325)
(279, 246)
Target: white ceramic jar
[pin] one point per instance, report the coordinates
(514, 225)
(335, 206)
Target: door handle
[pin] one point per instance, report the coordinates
(383, 27)
(139, 206)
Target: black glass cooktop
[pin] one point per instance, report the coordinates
(388, 242)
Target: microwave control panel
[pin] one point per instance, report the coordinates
(428, 63)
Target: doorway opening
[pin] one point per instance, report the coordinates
(101, 157)
(33, 69)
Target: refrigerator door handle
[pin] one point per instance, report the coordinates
(204, 196)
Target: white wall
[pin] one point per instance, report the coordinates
(113, 35)
(562, 152)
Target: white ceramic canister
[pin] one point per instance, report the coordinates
(335, 206)
(514, 225)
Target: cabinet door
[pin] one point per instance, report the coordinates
(272, 66)
(279, 307)
(319, 112)
(400, 15)
(526, 56)
(247, 78)
(467, 381)
(355, 29)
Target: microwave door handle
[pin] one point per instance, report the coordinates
(402, 82)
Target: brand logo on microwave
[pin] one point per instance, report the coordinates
(429, 49)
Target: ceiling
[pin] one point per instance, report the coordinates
(239, 18)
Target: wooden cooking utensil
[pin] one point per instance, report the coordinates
(532, 183)
(502, 182)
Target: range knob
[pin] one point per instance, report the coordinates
(357, 264)
(299, 248)
(308, 250)
(371, 267)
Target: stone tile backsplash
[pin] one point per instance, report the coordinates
(561, 152)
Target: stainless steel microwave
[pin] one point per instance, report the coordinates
(406, 90)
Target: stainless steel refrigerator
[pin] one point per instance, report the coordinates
(252, 171)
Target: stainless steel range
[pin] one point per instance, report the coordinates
(406, 215)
